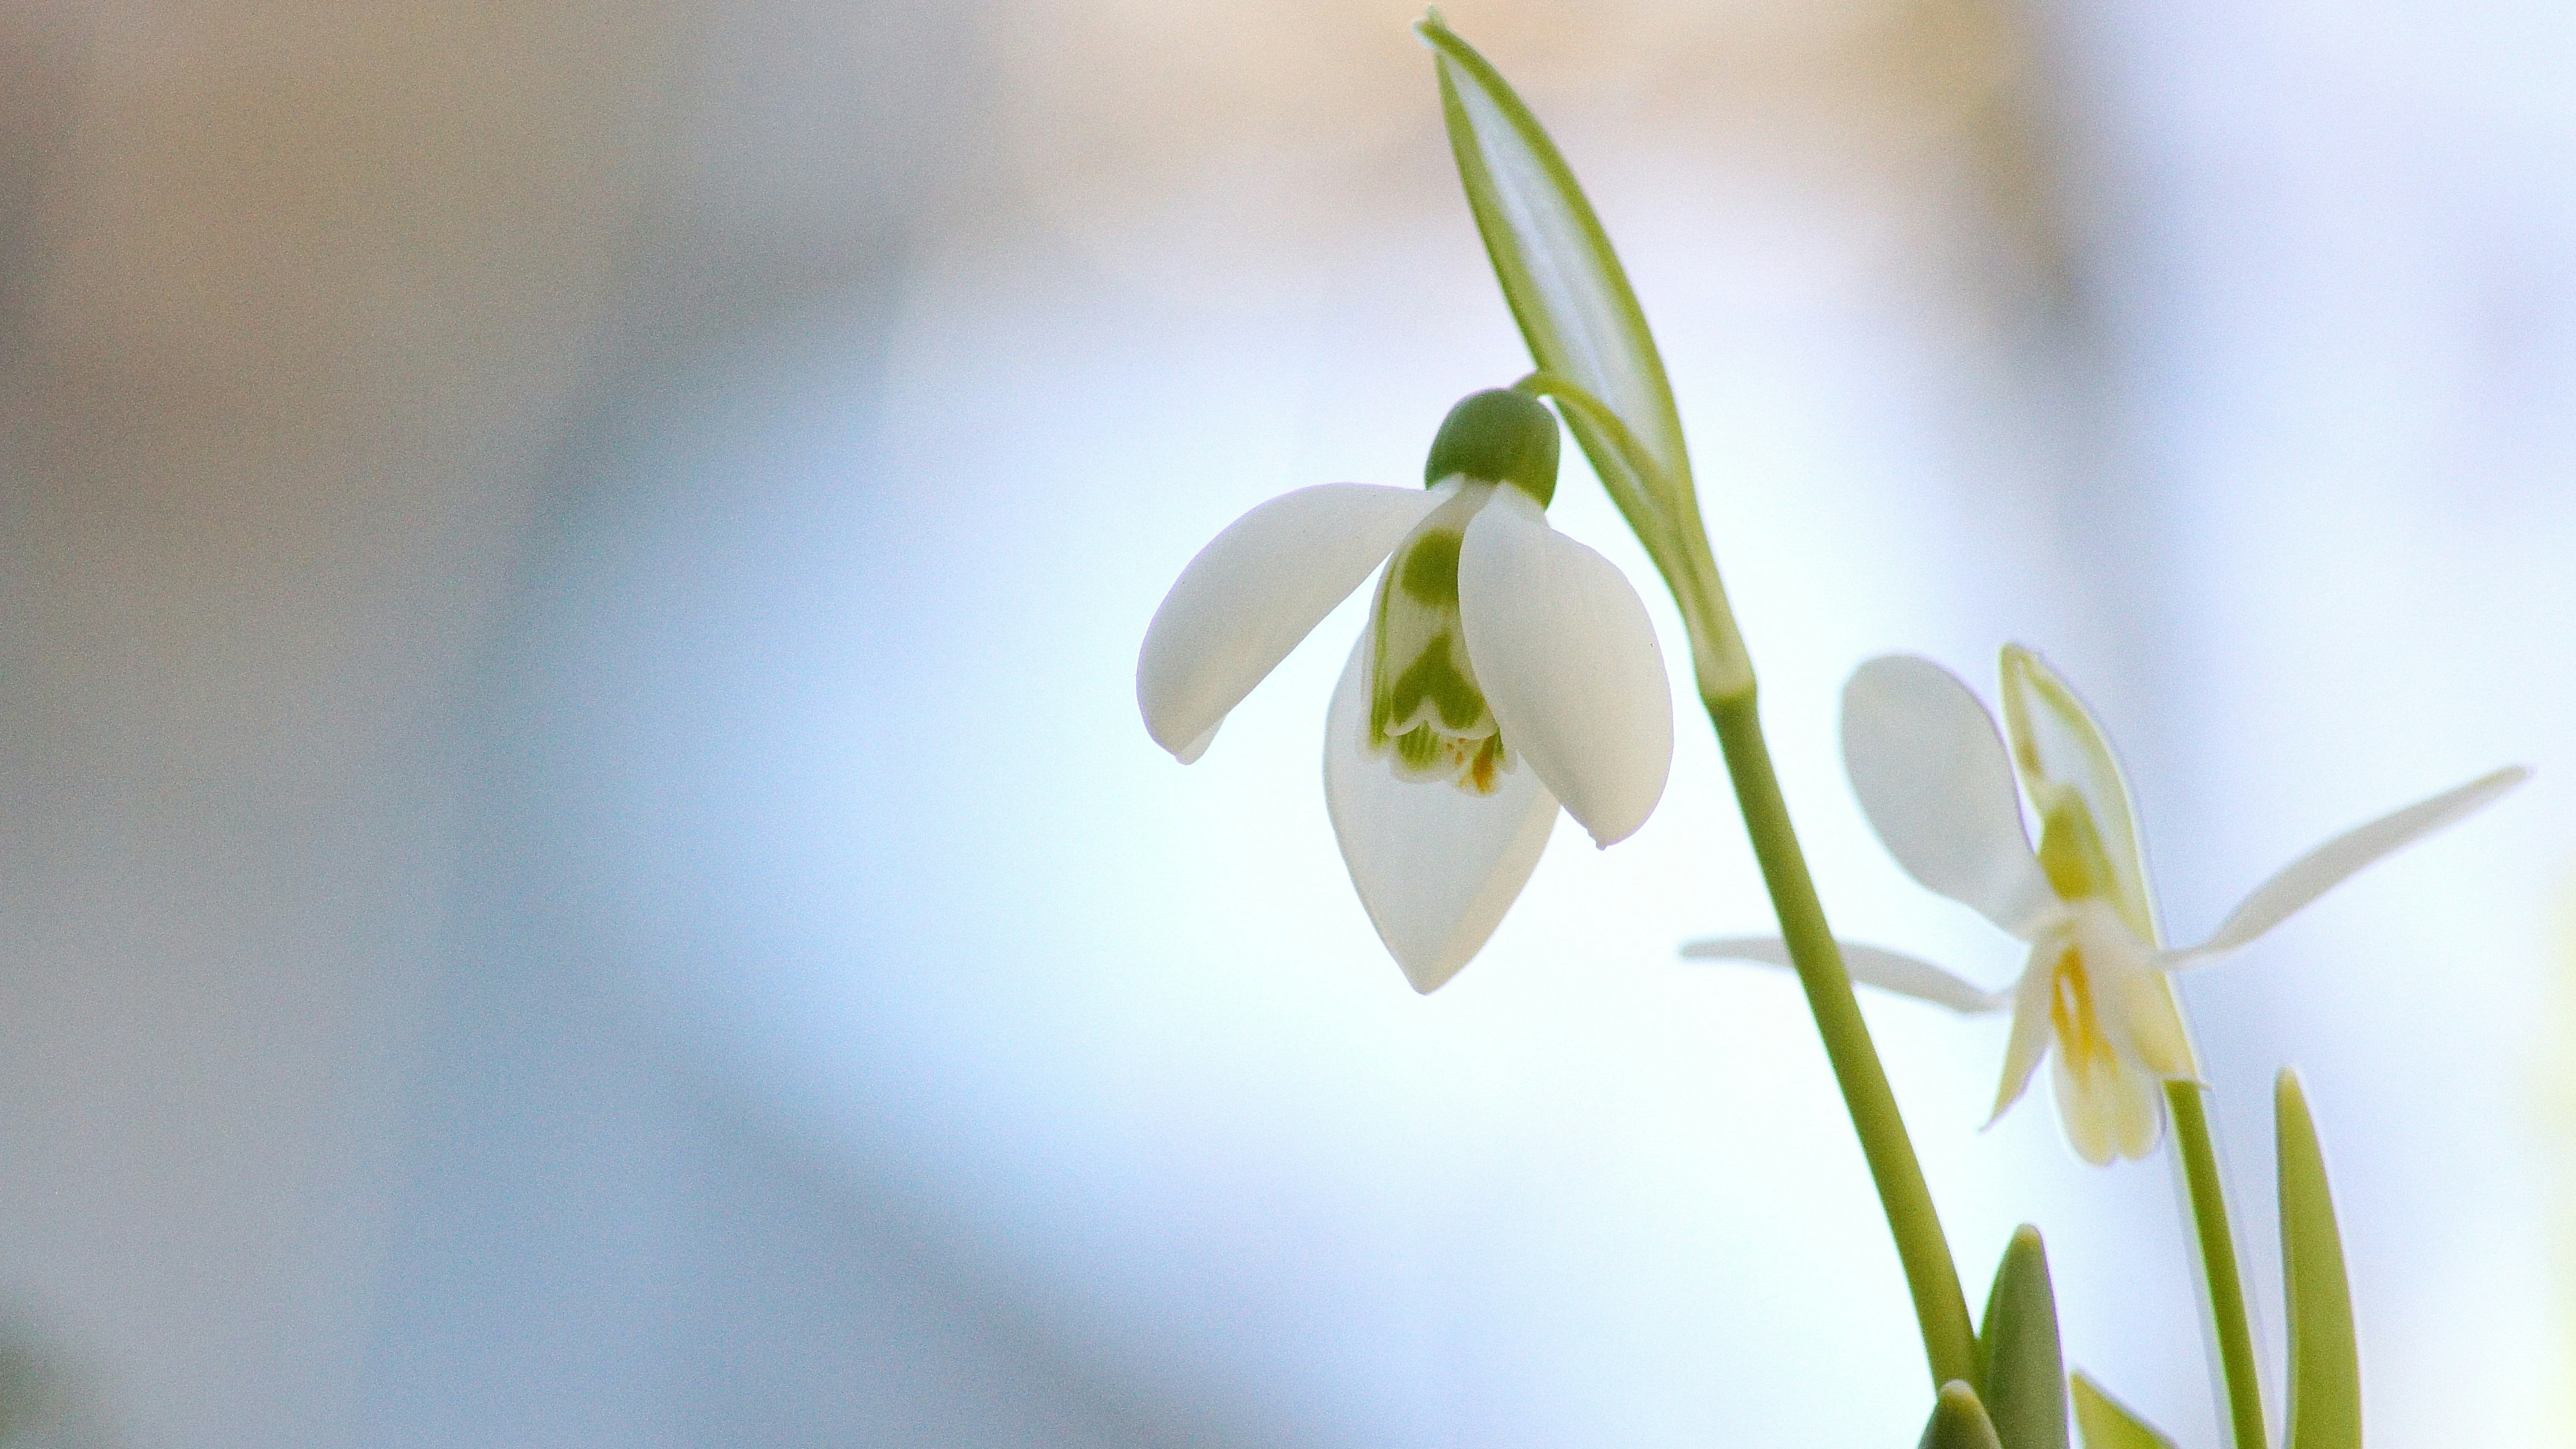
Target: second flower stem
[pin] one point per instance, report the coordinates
(1948, 1340)
(2218, 1265)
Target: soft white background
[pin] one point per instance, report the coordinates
(580, 867)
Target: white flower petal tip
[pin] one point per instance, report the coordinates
(2320, 870)
(1435, 866)
(1189, 754)
(1868, 965)
(2032, 996)
(1258, 588)
(1931, 774)
(2111, 1111)
(1569, 664)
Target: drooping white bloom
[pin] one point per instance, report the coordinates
(1505, 668)
(1938, 784)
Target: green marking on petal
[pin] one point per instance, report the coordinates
(1434, 678)
(1431, 568)
(1427, 713)
(1418, 748)
(2070, 850)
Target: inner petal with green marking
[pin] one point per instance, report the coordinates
(1427, 714)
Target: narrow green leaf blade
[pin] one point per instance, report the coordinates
(2325, 1362)
(1958, 1421)
(2017, 1351)
(1557, 269)
(2106, 1423)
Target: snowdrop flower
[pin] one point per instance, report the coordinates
(1505, 669)
(1937, 783)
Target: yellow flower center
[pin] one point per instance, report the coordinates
(2071, 1015)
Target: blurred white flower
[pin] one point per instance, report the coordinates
(1505, 668)
(1935, 780)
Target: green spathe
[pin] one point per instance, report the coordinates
(1500, 436)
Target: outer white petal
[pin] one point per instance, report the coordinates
(2032, 996)
(1933, 778)
(1253, 592)
(1436, 866)
(2111, 1110)
(2327, 866)
(1568, 660)
(1868, 965)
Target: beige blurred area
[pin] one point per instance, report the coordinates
(1282, 139)
(311, 319)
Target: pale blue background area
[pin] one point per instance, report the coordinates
(582, 870)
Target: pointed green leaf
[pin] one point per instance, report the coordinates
(2025, 1378)
(1557, 269)
(2109, 1424)
(2325, 1363)
(1958, 1421)
(2222, 1276)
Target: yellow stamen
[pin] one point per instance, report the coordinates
(2071, 1015)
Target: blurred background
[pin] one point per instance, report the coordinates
(580, 868)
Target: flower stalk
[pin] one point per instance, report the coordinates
(1680, 549)
(1665, 517)
(2221, 1271)
(1931, 1275)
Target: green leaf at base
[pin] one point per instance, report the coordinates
(2017, 1351)
(1958, 1421)
(2106, 1423)
(2325, 1362)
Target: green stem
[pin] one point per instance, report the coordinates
(1930, 1273)
(2218, 1265)
(1664, 513)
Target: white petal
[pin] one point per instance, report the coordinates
(2032, 996)
(1931, 775)
(1568, 661)
(2322, 869)
(1868, 965)
(1254, 591)
(2058, 745)
(2110, 1110)
(1436, 866)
